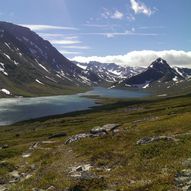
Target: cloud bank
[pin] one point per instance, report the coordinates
(143, 58)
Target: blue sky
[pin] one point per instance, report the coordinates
(102, 28)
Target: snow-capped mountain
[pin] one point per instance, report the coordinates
(110, 72)
(30, 64)
(158, 72)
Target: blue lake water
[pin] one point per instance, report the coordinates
(18, 109)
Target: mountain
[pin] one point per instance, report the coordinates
(158, 72)
(110, 72)
(30, 65)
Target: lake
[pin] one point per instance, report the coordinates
(18, 109)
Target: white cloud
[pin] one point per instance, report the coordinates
(54, 36)
(76, 47)
(64, 42)
(112, 14)
(50, 35)
(139, 7)
(64, 52)
(47, 27)
(96, 25)
(125, 33)
(143, 58)
(117, 15)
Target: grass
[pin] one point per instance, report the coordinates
(118, 162)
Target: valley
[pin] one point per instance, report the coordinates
(149, 150)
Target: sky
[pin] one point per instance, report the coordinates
(127, 32)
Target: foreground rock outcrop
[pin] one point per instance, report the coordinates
(95, 132)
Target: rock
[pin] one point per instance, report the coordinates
(87, 175)
(14, 174)
(58, 135)
(34, 146)
(79, 171)
(183, 180)
(26, 155)
(77, 137)
(81, 168)
(99, 134)
(3, 188)
(105, 128)
(147, 140)
(51, 188)
(95, 132)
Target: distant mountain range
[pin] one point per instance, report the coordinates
(110, 72)
(31, 66)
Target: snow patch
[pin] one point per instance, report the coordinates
(51, 79)
(7, 45)
(16, 63)
(146, 86)
(2, 69)
(42, 66)
(81, 66)
(162, 95)
(175, 79)
(177, 70)
(7, 56)
(5, 91)
(111, 87)
(39, 81)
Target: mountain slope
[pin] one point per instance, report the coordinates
(159, 71)
(31, 65)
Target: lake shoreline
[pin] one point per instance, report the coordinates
(13, 110)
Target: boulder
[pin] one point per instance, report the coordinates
(183, 180)
(77, 137)
(57, 135)
(82, 172)
(105, 128)
(147, 140)
(34, 146)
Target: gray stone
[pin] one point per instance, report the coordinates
(51, 188)
(105, 128)
(147, 140)
(95, 132)
(77, 137)
(183, 180)
(34, 146)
